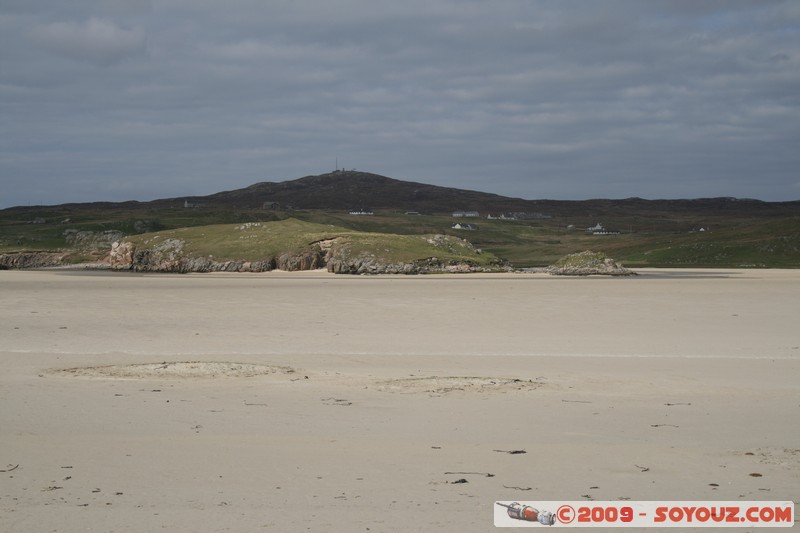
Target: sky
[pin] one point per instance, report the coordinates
(115, 100)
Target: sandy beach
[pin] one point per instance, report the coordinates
(315, 402)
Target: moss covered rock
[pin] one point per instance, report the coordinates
(588, 263)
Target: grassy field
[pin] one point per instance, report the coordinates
(646, 239)
(658, 242)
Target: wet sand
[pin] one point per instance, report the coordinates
(331, 403)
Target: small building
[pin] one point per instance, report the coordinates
(463, 214)
(362, 211)
(599, 229)
(270, 205)
(464, 226)
(503, 216)
(596, 227)
(187, 204)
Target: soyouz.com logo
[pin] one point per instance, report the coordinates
(620, 514)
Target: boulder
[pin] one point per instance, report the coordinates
(121, 256)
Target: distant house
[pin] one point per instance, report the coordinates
(270, 205)
(503, 216)
(462, 214)
(417, 213)
(464, 226)
(596, 227)
(362, 211)
(187, 204)
(599, 229)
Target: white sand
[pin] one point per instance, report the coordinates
(377, 388)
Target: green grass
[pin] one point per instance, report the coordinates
(659, 240)
(248, 241)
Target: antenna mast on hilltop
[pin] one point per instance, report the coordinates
(337, 163)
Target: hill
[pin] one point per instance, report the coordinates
(352, 189)
(295, 245)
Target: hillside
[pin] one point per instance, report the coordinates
(714, 232)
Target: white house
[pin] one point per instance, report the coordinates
(464, 226)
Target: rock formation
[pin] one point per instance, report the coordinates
(169, 256)
(31, 259)
(333, 254)
(588, 263)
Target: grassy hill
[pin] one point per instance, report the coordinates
(259, 241)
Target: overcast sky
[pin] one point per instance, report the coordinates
(144, 99)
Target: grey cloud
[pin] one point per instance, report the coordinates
(521, 97)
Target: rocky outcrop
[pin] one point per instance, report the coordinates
(340, 260)
(31, 259)
(163, 257)
(368, 265)
(84, 247)
(121, 256)
(168, 256)
(310, 260)
(371, 265)
(333, 254)
(92, 239)
(588, 263)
